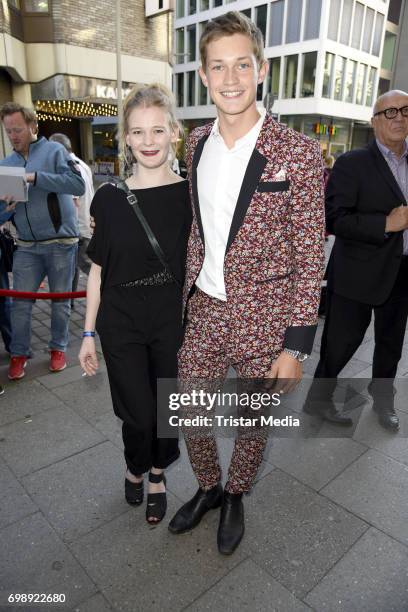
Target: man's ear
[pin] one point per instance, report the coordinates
(263, 71)
(203, 76)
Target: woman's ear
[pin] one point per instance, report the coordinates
(127, 140)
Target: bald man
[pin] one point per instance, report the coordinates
(366, 209)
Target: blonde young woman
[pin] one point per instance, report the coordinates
(132, 300)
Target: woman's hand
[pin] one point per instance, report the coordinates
(87, 356)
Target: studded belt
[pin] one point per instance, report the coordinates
(160, 278)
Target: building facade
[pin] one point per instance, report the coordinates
(60, 57)
(325, 62)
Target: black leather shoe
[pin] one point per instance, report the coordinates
(193, 511)
(232, 526)
(387, 417)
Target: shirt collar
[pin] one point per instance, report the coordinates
(249, 137)
(388, 153)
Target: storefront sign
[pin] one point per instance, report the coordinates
(64, 87)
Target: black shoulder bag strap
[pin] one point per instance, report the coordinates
(132, 199)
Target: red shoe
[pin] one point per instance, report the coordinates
(57, 362)
(16, 367)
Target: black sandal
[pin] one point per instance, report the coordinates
(156, 502)
(133, 492)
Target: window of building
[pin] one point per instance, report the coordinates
(368, 30)
(274, 76)
(180, 88)
(383, 86)
(357, 25)
(361, 75)
(334, 18)
(202, 93)
(378, 30)
(293, 20)
(345, 27)
(339, 77)
(276, 23)
(312, 19)
(217, 3)
(201, 27)
(192, 7)
(15, 4)
(260, 18)
(394, 11)
(180, 8)
(246, 12)
(328, 74)
(191, 38)
(191, 80)
(308, 74)
(204, 5)
(291, 68)
(371, 86)
(36, 6)
(388, 51)
(350, 80)
(229, 1)
(180, 57)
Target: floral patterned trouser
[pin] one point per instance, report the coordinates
(204, 359)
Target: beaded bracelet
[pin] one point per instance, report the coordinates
(88, 334)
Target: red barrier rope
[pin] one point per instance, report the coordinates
(33, 295)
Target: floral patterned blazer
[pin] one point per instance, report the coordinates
(274, 258)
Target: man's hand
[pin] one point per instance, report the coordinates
(287, 368)
(30, 177)
(11, 204)
(397, 220)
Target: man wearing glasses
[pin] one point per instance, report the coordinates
(366, 209)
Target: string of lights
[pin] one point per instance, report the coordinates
(74, 109)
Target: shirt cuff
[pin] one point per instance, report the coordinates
(300, 338)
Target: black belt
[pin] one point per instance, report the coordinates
(160, 278)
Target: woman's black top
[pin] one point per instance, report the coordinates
(120, 245)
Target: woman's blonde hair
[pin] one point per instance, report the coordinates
(147, 96)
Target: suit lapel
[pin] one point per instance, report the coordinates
(386, 172)
(196, 159)
(253, 173)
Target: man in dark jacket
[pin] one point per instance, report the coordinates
(366, 209)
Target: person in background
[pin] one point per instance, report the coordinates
(47, 232)
(83, 204)
(366, 209)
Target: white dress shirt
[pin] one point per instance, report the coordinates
(220, 174)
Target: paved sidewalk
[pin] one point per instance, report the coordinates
(326, 523)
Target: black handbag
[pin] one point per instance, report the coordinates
(132, 199)
(7, 248)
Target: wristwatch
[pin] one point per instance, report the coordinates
(296, 354)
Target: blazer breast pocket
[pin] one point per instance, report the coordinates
(273, 186)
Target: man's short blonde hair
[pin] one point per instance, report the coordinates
(231, 23)
(29, 114)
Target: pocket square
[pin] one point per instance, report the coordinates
(279, 176)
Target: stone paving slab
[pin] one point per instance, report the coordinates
(34, 560)
(248, 588)
(14, 501)
(88, 396)
(294, 533)
(87, 490)
(392, 444)
(131, 562)
(23, 400)
(97, 603)
(375, 488)
(47, 437)
(314, 461)
(372, 576)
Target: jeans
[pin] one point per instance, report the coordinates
(31, 265)
(5, 306)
